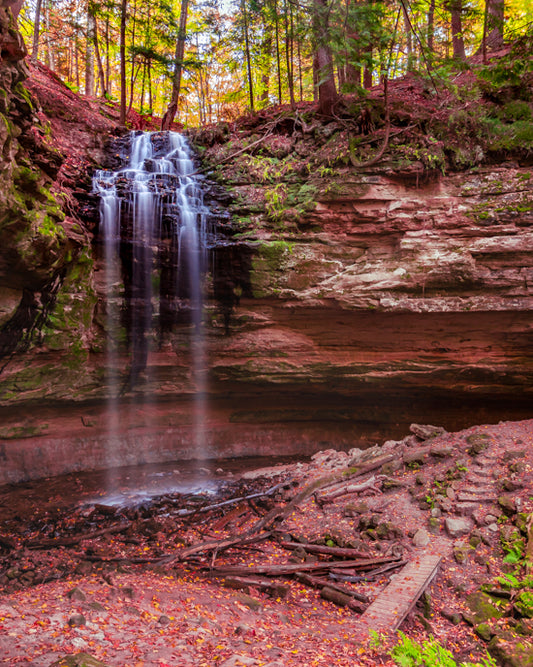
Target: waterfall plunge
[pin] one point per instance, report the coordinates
(152, 224)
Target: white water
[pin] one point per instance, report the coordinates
(154, 197)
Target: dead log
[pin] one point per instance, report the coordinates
(274, 569)
(218, 545)
(76, 539)
(351, 577)
(318, 582)
(232, 501)
(372, 483)
(272, 588)
(338, 552)
(340, 599)
(359, 471)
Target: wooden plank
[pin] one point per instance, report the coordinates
(392, 605)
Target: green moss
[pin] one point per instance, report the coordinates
(524, 604)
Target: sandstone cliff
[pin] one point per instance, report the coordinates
(345, 300)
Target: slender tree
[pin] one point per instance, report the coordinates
(172, 108)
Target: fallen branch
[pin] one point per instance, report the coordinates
(318, 582)
(232, 501)
(370, 484)
(274, 569)
(339, 552)
(76, 539)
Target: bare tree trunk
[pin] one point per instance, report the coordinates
(266, 48)
(89, 53)
(431, 27)
(288, 61)
(36, 24)
(278, 56)
(107, 62)
(458, 45)
(248, 58)
(170, 114)
(101, 75)
(123, 10)
(323, 60)
(493, 33)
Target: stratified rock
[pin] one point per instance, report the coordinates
(426, 431)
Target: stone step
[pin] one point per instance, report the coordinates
(477, 490)
(482, 472)
(471, 498)
(466, 508)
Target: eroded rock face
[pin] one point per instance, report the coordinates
(380, 297)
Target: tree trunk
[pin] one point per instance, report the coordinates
(288, 58)
(278, 56)
(123, 10)
(37, 21)
(101, 75)
(431, 27)
(266, 48)
(170, 113)
(323, 60)
(248, 58)
(89, 54)
(458, 45)
(493, 33)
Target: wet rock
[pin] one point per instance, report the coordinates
(481, 609)
(426, 431)
(461, 551)
(421, 538)
(512, 651)
(484, 630)
(523, 604)
(508, 505)
(511, 484)
(478, 443)
(452, 616)
(458, 527)
(78, 660)
(76, 594)
(248, 601)
(77, 620)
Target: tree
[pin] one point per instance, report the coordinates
(493, 25)
(455, 8)
(123, 10)
(36, 26)
(323, 59)
(172, 109)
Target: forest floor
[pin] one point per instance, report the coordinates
(148, 582)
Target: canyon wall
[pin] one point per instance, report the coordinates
(344, 302)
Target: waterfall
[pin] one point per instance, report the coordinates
(153, 229)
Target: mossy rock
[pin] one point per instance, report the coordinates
(482, 609)
(512, 651)
(523, 604)
(78, 660)
(478, 443)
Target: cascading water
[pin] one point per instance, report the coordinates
(153, 226)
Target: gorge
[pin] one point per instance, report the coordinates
(343, 302)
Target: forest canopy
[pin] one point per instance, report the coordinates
(202, 61)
